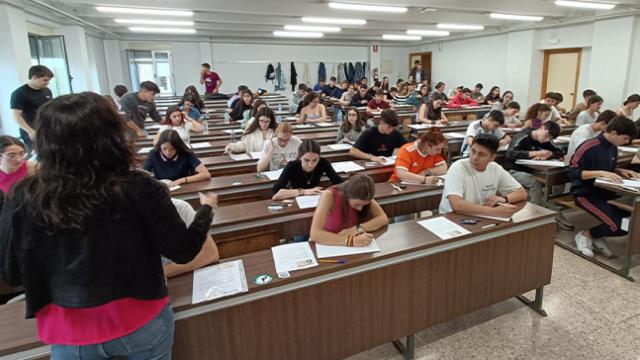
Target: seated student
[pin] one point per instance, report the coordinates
(235, 98)
(302, 176)
(171, 159)
(361, 98)
(346, 97)
(347, 214)
(423, 94)
(328, 88)
(476, 95)
(385, 84)
(431, 111)
(490, 124)
(506, 98)
(455, 91)
(392, 93)
(208, 253)
(510, 112)
(535, 115)
(175, 119)
(13, 166)
(281, 149)
(364, 81)
(380, 141)
(375, 88)
(588, 131)
(314, 111)
(258, 104)
(119, 91)
(596, 158)
(415, 98)
(493, 96)
(475, 186)
(317, 88)
(462, 99)
(378, 103)
(629, 106)
(189, 108)
(581, 106)
(401, 97)
(439, 89)
(590, 115)
(339, 90)
(257, 134)
(532, 144)
(350, 130)
(420, 161)
(296, 97)
(197, 99)
(552, 99)
(242, 109)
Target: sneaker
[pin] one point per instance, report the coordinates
(600, 245)
(584, 244)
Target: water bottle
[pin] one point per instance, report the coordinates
(339, 115)
(280, 107)
(278, 119)
(206, 126)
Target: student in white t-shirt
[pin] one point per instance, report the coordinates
(179, 121)
(490, 124)
(588, 131)
(590, 114)
(281, 149)
(207, 255)
(479, 186)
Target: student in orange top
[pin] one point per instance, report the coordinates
(462, 99)
(420, 161)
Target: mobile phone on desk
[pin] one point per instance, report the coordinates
(469, 221)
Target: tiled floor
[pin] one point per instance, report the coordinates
(593, 314)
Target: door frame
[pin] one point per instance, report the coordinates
(422, 54)
(545, 70)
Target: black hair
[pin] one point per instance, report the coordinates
(479, 86)
(172, 137)
(606, 116)
(466, 91)
(84, 158)
(150, 86)
(439, 84)
(6, 141)
(417, 62)
(622, 125)
(333, 78)
(588, 93)
(206, 65)
(497, 116)
(170, 110)
(308, 145)
(513, 105)
(303, 86)
(436, 96)
(273, 124)
(558, 97)
(242, 88)
(632, 98)
(389, 117)
(197, 100)
(487, 141)
(552, 127)
(40, 71)
(594, 99)
(120, 90)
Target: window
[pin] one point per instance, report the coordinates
(151, 65)
(50, 52)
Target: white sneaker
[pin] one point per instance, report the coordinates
(600, 245)
(584, 244)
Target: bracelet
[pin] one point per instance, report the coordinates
(425, 179)
(186, 181)
(361, 228)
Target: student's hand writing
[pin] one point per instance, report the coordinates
(627, 173)
(209, 198)
(378, 159)
(611, 176)
(348, 231)
(431, 180)
(494, 200)
(227, 148)
(506, 210)
(363, 239)
(315, 191)
(543, 154)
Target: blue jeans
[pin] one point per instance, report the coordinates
(153, 341)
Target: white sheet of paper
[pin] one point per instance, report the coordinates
(273, 175)
(627, 148)
(554, 163)
(455, 135)
(503, 148)
(240, 157)
(324, 124)
(633, 185)
(346, 166)
(294, 256)
(255, 154)
(200, 145)
(443, 227)
(563, 139)
(493, 218)
(145, 150)
(302, 126)
(419, 126)
(233, 131)
(154, 126)
(214, 282)
(389, 160)
(307, 201)
(326, 251)
(439, 183)
(174, 188)
(340, 146)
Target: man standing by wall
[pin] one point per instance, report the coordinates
(211, 81)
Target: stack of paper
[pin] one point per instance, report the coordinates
(455, 135)
(255, 154)
(233, 131)
(419, 126)
(324, 124)
(200, 145)
(563, 139)
(145, 150)
(326, 251)
(340, 146)
(273, 175)
(631, 185)
(239, 157)
(439, 183)
(443, 227)
(307, 201)
(295, 256)
(218, 281)
(346, 166)
(389, 160)
(553, 163)
(627, 148)
(302, 126)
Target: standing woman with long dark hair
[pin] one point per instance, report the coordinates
(84, 236)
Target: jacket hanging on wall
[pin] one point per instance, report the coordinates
(322, 72)
(294, 77)
(271, 73)
(351, 72)
(281, 80)
(359, 72)
(341, 73)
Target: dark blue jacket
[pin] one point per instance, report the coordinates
(594, 154)
(322, 72)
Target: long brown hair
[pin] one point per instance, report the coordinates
(346, 125)
(533, 111)
(256, 121)
(358, 187)
(171, 110)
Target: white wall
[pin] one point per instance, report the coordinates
(75, 43)
(399, 56)
(633, 83)
(97, 61)
(186, 60)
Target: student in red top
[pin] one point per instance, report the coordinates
(462, 99)
(421, 161)
(13, 166)
(210, 79)
(378, 103)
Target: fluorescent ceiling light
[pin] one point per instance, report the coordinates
(428, 32)
(401, 37)
(337, 21)
(362, 7)
(586, 5)
(312, 28)
(154, 22)
(459, 27)
(515, 17)
(298, 34)
(142, 11)
(162, 30)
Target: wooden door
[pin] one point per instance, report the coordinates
(560, 73)
(425, 60)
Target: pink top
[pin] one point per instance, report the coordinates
(335, 223)
(7, 180)
(211, 82)
(87, 326)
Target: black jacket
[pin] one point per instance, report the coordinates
(117, 258)
(294, 77)
(520, 146)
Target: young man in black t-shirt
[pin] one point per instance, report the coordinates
(378, 142)
(27, 99)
